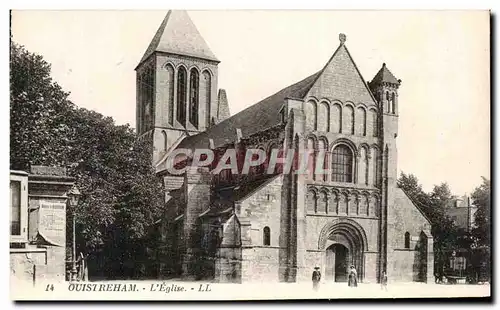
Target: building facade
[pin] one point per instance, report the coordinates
(38, 200)
(462, 212)
(273, 225)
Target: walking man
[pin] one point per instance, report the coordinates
(316, 277)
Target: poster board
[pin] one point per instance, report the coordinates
(52, 222)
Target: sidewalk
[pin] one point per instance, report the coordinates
(401, 290)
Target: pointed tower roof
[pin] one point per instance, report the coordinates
(223, 106)
(385, 76)
(177, 34)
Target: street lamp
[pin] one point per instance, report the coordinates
(73, 196)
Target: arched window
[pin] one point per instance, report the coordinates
(343, 203)
(311, 201)
(142, 99)
(170, 90)
(267, 236)
(337, 118)
(207, 80)
(366, 204)
(363, 166)
(393, 103)
(165, 141)
(322, 203)
(147, 98)
(323, 117)
(388, 100)
(375, 166)
(181, 95)
(407, 240)
(362, 121)
(342, 164)
(193, 97)
(374, 124)
(348, 120)
(333, 203)
(311, 116)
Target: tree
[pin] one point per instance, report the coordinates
(410, 185)
(121, 196)
(441, 196)
(446, 234)
(481, 198)
(38, 131)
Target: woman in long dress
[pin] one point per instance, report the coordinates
(353, 277)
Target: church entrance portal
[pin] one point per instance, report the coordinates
(344, 243)
(337, 263)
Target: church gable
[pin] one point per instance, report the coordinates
(341, 80)
(262, 208)
(405, 217)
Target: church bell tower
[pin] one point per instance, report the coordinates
(176, 85)
(384, 87)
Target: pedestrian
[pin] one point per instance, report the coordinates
(383, 281)
(316, 277)
(353, 277)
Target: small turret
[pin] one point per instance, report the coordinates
(384, 87)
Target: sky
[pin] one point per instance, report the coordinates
(442, 58)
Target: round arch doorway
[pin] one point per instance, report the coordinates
(337, 263)
(343, 243)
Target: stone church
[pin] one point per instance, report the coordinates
(278, 226)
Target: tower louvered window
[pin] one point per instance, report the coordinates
(181, 95)
(193, 97)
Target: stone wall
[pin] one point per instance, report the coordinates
(197, 197)
(404, 217)
(261, 209)
(161, 97)
(30, 264)
(260, 264)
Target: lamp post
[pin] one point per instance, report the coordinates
(73, 196)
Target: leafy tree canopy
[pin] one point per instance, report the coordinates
(446, 234)
(481, 198)
(121, 196)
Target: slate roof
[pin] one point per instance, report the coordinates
(384, 75)
(243, 190)
(177, 34)
(258, 117)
